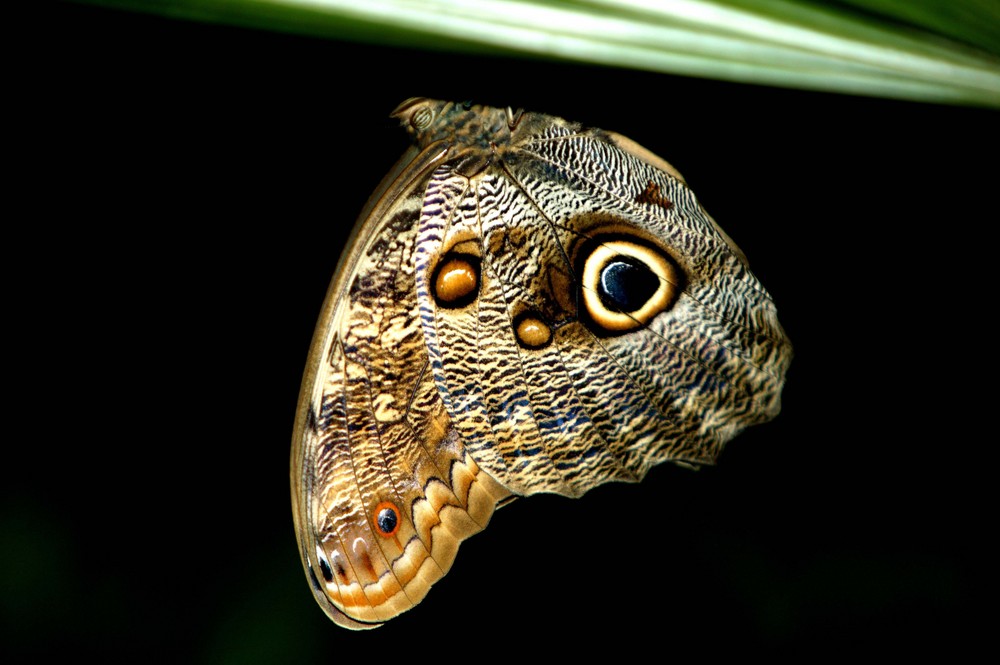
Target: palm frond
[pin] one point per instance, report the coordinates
(929, 50)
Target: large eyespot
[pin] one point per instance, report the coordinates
(456, 280)
(386, 519)
(626, 283)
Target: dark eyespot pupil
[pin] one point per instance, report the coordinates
(386, 520)
(626, 284)
(324, 568)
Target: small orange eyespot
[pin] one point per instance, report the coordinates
(387, 519)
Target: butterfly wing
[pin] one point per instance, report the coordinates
(608, 390)
(383, 490)
(526, 306)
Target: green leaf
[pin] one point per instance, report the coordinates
(928, 50)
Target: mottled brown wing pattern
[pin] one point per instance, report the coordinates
(528, 307)
(374, 437)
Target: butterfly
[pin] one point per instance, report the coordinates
(525, 305)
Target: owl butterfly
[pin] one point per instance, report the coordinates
(525, 305)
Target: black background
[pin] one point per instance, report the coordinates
(178, 198)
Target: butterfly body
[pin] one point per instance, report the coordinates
(526, 306)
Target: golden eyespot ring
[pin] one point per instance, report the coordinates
(386, 519)
(626, 283)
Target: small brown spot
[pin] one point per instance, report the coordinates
(366, 561)
(532, 332)
(653, 196)
(456, 282)
(517, 236)
(496, 243)
(362, 559)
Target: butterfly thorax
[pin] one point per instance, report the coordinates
(475, 135)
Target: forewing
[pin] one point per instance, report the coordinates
(383, 488)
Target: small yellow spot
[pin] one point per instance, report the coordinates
(456, 279)
(533, 333)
